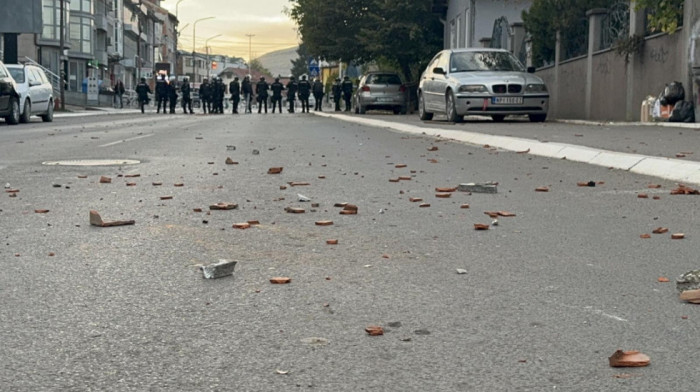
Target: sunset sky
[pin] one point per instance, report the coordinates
(234, 19)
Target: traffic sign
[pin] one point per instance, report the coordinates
(314, 69)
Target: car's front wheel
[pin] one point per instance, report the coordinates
(13, 118)
(538, 117)
(26, 112)
(451, 108)
(425, 116)
(48, 117)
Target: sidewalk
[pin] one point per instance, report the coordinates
(682, 171)
(79, 111)
(625, 124)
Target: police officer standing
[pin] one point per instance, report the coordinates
(218, 96)
(247, 89)
(292, 88)
(142, 89)
(222, 94)
(204, 95)
(235, 89)
(261, 91)
(162, 93)
(185, 90)
(318, 94)
(304, 92)
(346, 86)
(172, 95)
(276, 89)
(337, 94)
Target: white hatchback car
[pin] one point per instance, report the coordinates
(35, 90)
(486, 82)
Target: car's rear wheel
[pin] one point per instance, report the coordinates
(26, 112)
(498, 117)
(425, 116)
(13, 118)
(538, 117)
(48, 117)
(451, 108)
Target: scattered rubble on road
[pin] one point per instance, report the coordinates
(218, 270)
(223, 206)
(628, 359)
(486, 187)
(96, 220)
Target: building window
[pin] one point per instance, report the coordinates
(76, 74)
(51, 18)
(81, 34)
(81, 5)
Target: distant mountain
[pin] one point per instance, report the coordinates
(279, 62)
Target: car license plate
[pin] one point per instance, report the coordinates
(507, 100)
(383, 99)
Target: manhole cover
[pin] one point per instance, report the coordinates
(92, 162)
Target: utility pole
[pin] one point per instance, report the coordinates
(61, 60)
(194, 41)
(250, 50)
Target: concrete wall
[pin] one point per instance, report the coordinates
(608, 95)
(572, 87)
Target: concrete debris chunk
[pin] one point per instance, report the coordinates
(303, 198)
(105, 180)
(96, 220)
(688, 281)
(487, 187)
(275, 170)
(218, 270)
(223, 206)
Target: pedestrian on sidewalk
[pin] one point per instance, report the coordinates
(234, 88)
(318, 94)
(119, 93)
(292, 88)
(346, 86)
(142, 90)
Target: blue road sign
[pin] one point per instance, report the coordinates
(314, 69)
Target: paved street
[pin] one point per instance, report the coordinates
(548, 295)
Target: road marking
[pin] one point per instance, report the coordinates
(126, 140)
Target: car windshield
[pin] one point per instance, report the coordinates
(384, 79)
(484, 61)
(17, 74)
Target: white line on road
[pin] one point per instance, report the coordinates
(126, 140)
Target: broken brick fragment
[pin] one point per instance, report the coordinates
(105, 180)
(432, 148)
(350, 207)
(443, 195)
(394, 179)
(505, 214)
(348, 212)
(445, 189)
(321, 177)
(645, 236)
(230, 161)
(82, 176)
(223, 206)
(464, 206)
(41, 211)
(692, 296)
(414, 199)
(542, 189)
(340, 204)
(660, 230)
(157, 183)
(179, 184)
(405, 178)
(424, 205)
(684, 190)
(242, 225)
(96, 220)
(295, 210)
(280, 280)
(432, 160)
(400, 165)
(332, 242)
(275, 170)
(132, 175)
(197, 209)
(491, 214)
(628, 359)
(642, 196)
(283, 187)
(653, 186)
(130, 184)
(11, 190)
(374, 330)
(663, 279)
(166, 197)
(481, 226)
(299, 183)
(677, 236)
(253, 222)
(324, 223)
(656, 197)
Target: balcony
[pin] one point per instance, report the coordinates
(130, 28)
(102, 22)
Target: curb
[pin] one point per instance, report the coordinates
(624, 124)
(96, 112)
(666, 168)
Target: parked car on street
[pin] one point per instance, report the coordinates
(380, 90)
(35, 90)
(9, 97)
(490, 82)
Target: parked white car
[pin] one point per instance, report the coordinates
(35, 90)
(487, 82)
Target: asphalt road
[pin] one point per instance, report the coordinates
(547, 296)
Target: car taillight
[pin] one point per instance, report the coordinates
(402, 88)
(365, 88)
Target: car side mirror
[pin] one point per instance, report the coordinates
(439, 70)
(531, 70)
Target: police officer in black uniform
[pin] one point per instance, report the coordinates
(186, 92)
(142, 89)
(172, 95)
(162, 94)
(220, 92)
(292, 88)
(277, 89)
(337, 94)
(304, 92)
(346, 86)
(234, 88)
(204, 93)
(318, 94)
(247, 89)
(261, 91)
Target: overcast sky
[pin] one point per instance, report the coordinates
(234, 19)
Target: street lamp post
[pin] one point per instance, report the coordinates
(176, 7)
(194, 43)
(250, 51)
(206, 45)
(61, 66)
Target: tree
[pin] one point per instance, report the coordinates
(300, 65)
(256, 65)
(664, 15)
(402, 32)
(546, 17)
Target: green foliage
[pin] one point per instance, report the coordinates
(401, 32)
(662, 16)
(300, 64)
(545, 17)
(256, 65)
